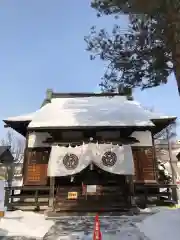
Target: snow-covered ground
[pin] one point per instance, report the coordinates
(162, 225)
(112, 227)
(28, 224)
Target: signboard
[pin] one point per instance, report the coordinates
(91, 189)
(36, 174)
(2, 197)
(72, 195)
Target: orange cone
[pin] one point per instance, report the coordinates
(97, 232)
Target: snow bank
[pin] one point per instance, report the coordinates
(26, 224)
(164, 225)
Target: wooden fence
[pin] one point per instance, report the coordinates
(37, 197)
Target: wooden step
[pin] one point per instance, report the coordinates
(92, 209)
(20, 203)
(59, 214)
(90, 206)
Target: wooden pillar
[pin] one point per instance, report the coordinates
(131, 192)
(155, 163)
(51, 193)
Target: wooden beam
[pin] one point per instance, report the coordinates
(120, 142)
(86, 94)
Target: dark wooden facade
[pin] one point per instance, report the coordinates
(113, 191)
(36, 162)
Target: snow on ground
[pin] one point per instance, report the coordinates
(112, 227)
(33, 225)
(164, 225)
(149, 225)
(26, 224)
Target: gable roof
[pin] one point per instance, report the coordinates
(90, 111)
(68, 110)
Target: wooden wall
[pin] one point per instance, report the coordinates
(108, 198)
(35, 166)
(144, 162)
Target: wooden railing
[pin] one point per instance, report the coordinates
(37, 197)
(146, 192)
(29, 198)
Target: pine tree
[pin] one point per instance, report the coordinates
(144, 56)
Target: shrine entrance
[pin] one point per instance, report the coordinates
(93, 189)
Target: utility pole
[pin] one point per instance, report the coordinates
(174, 190)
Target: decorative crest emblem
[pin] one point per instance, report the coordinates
(109, 159)
(70, 161)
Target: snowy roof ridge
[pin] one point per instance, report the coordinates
(90, 111)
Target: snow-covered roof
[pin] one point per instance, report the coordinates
(21, 118)
(156, 115)
(90, 111)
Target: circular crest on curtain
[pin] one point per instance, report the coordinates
(70, 161)
(109, 159)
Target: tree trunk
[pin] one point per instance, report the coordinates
(173, 36)
(176, 62)
(176, 51)
(142, 6)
